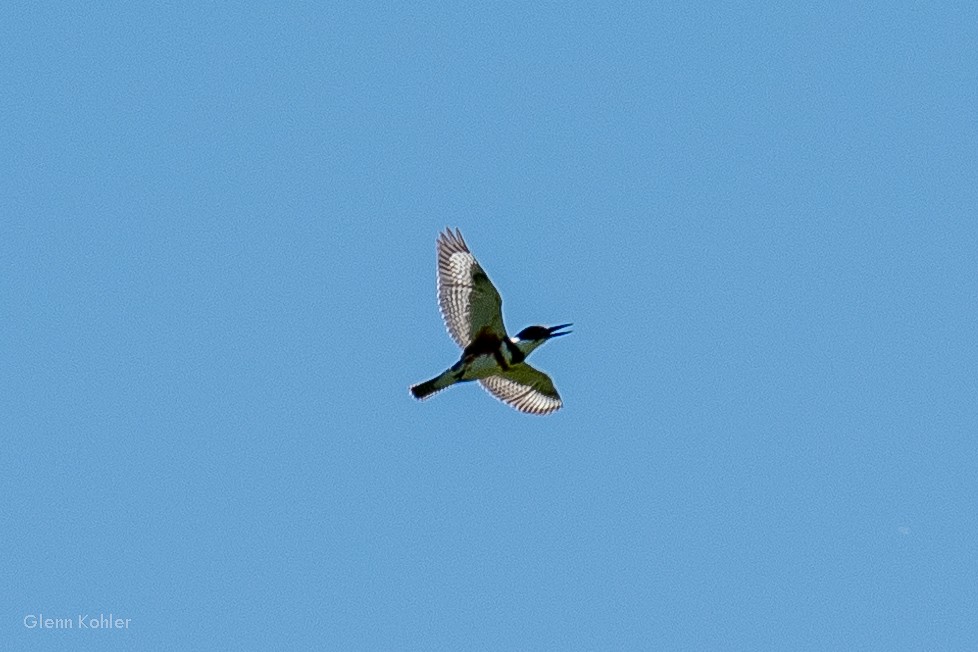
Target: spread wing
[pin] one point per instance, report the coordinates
(524, 388)
(469, 303)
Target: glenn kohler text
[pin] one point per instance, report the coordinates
(82, 621)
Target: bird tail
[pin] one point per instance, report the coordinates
(423, 390)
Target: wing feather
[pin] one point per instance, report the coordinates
(469, 302)
(525, 388)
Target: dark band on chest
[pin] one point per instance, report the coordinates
(514, 352)
(486, 343)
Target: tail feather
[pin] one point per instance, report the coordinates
(423, 390)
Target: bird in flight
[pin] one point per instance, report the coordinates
(472, 310)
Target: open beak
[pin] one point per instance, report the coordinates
(553, 330)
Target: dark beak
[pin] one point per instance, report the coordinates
(553, 330)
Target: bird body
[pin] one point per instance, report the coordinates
(472, 310)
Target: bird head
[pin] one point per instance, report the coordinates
(533, 336)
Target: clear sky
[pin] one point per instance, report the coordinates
(217, 231)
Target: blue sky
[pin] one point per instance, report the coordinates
(218, 282)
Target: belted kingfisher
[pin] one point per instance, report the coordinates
(472, 310)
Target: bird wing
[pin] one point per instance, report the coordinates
(469, 303)
(524, 388)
